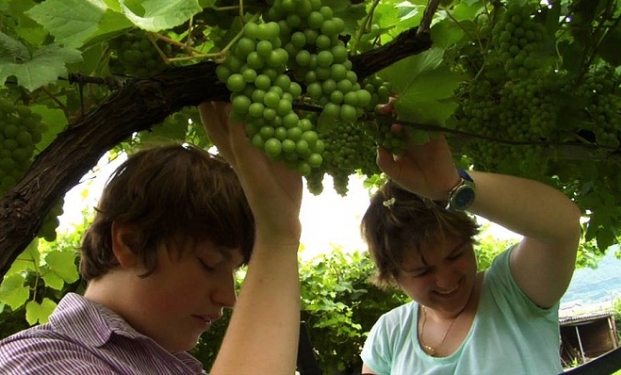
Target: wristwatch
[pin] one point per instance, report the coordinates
(460, 198)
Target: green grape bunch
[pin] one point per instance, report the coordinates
(292, 84)
(20, 131)
(133, 54)
(518, 40)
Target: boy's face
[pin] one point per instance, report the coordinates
(444, 281)
(184, 295)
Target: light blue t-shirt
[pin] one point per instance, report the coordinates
(510, 335)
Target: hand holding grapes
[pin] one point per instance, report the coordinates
(426, 170)
(273, 191)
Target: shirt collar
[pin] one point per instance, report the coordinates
(93, 324)
(89, 322)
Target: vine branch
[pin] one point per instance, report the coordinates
(137, 104)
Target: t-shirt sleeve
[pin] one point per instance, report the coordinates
(376, 352)
(505, 288)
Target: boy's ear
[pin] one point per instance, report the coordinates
(125, 239)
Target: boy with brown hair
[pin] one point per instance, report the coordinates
(173, 225)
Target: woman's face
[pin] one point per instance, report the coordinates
(440, 277)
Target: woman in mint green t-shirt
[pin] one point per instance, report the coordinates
(501, 321)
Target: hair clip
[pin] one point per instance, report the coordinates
(388, 203)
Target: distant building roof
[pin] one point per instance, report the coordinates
(583, 318)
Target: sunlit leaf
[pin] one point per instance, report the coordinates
(156, 15)
(28, 260)
(13, 292)
(62, 263)
(39, 312)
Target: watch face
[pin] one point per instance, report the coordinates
(463, 198)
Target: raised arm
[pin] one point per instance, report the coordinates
(543, 262)
(262, 336)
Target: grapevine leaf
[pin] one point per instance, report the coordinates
(28, 29)
(409, 11)
(396, 18)
(206, 3)
(45, 66)
(114, 5)
(55, 121)
(403, 73)
(91, 59)
(28, 260)
(351, 15)
(53, 281)
(424, 87)
(573, 54)
(39, 313)
(447, 33)
(609, 47)
(386, 14)
(156, 15)
(339, 5)
(429, 104)
(63, 264)
(13, 292)
(71, 22)
(12, 51)
(110, 25)
(466, 12)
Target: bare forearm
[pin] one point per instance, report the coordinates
(526, 207)
(266, 315)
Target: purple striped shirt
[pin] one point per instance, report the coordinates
(86, 338)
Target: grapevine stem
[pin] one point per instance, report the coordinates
(55, 99)
(365, 25)
(472, 37)
(34, 292)
(602, 30)
(370, 117)
(430, 10)
(238, 36)
(153, 36)
(435, 128)
(190, 27)
(228, 7)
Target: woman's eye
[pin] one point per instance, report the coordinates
(420, 274)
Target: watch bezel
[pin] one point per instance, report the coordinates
(466, 184)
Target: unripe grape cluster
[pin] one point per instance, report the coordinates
(298, 41)
(518, 40)
(602, 110)
(20, 131)
(133, 54)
